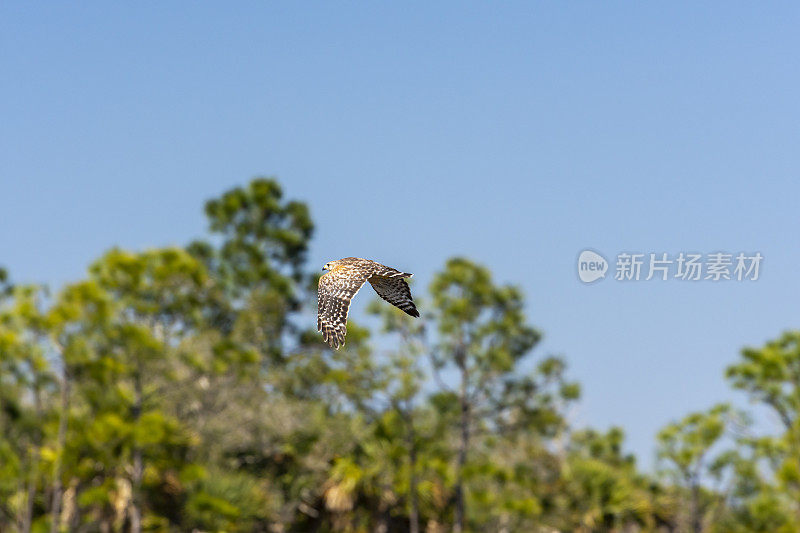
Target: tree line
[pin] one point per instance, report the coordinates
(185, 389)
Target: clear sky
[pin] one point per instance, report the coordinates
(515, 133)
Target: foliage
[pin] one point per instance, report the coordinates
(182, 389)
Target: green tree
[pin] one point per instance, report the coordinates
(754, 502)
(685, 449)
(182, 389)
(602, 490)
(26, 381)
(259, 261)
(771, 376)
(157, 295)
(482, 337)
(402, 391)
(256, 395)
(77, 320)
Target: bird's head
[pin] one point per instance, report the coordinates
(329, 265)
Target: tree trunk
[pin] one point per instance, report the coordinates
(27, 519)
(27, 523)
(138, 465)
(460, 511)
(55, 508)
(696, 519)
(412, 467)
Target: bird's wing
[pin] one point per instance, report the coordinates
(384, 271)
(336, 289)
(395, 290)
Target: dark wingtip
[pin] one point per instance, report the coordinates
(413, 312)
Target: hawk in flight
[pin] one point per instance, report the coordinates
(344, 279)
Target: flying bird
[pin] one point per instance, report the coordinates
(344, 279)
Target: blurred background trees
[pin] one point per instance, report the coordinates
(184, 389)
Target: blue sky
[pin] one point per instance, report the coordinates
(516, 134)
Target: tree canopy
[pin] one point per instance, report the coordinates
(184, 389)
